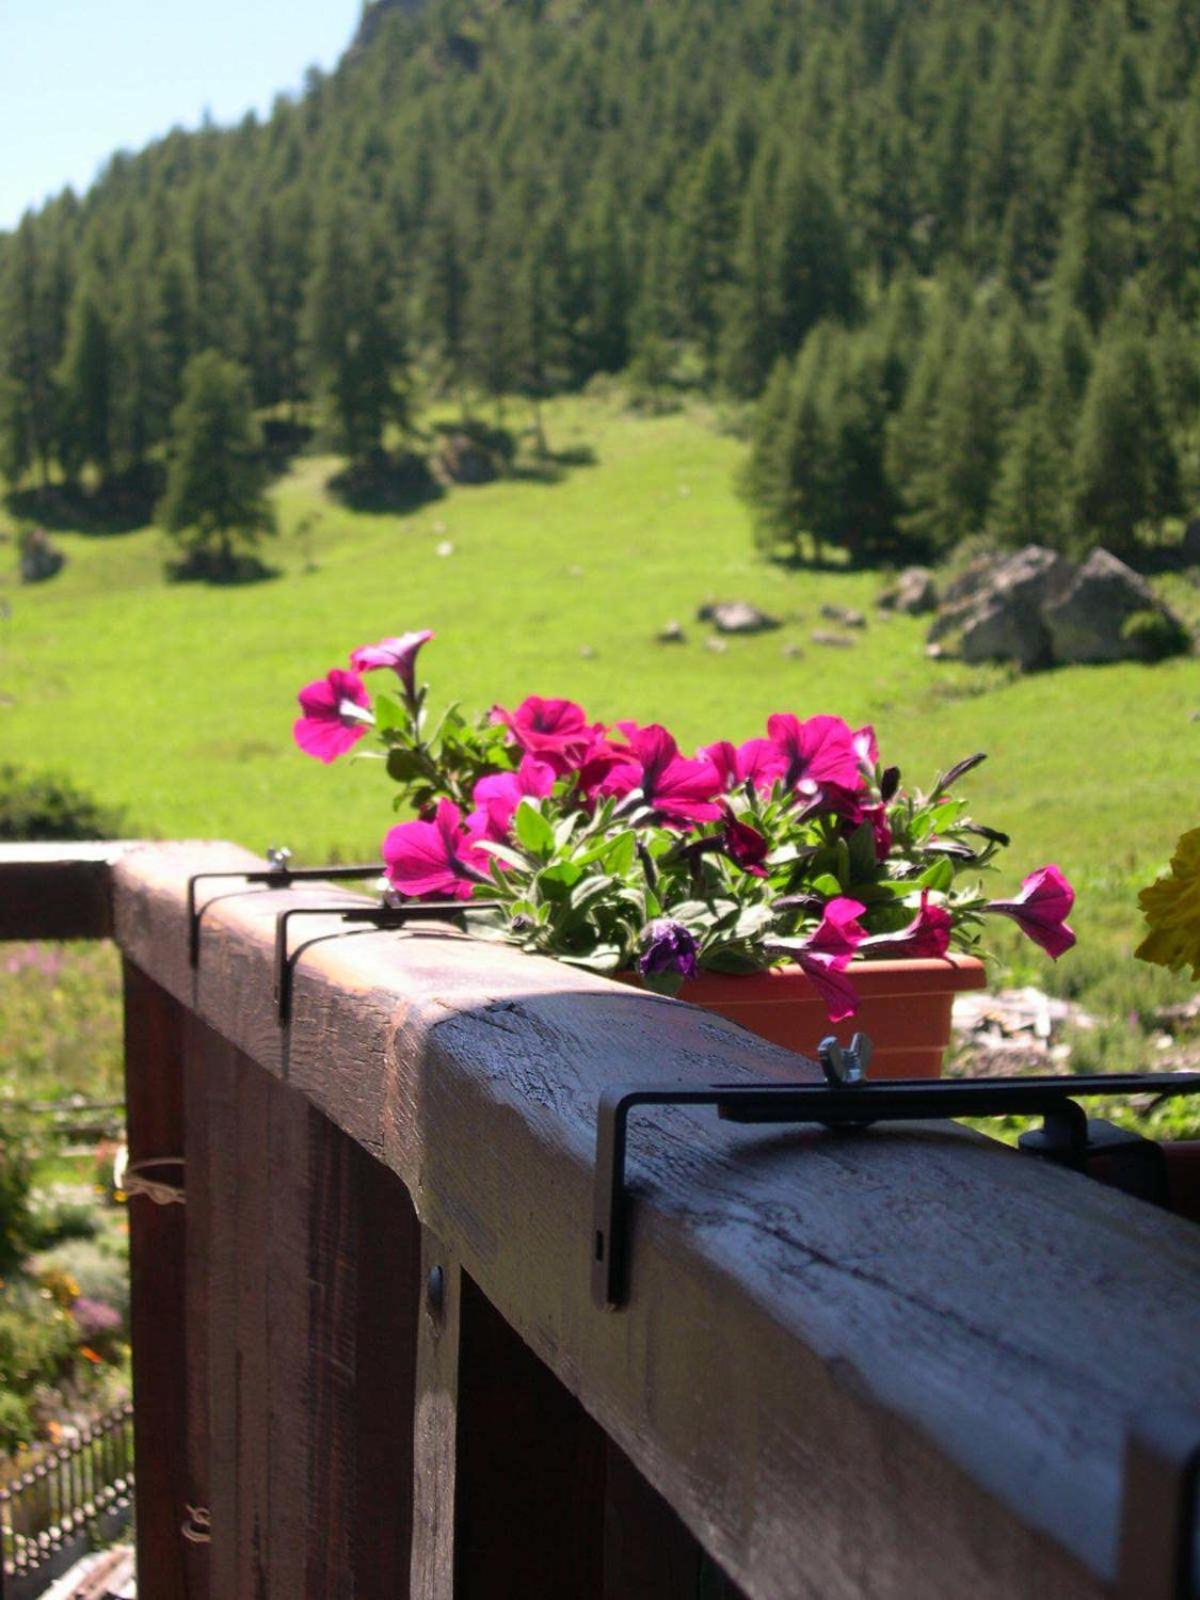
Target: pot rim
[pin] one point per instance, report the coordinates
(874, 980)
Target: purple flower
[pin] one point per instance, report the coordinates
(667, 947)
(1041, 909)
(400, 654)
(95, 1318)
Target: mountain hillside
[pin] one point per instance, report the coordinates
(512, 197)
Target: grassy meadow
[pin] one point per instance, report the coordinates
(176, 700)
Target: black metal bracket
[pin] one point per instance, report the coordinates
(376, 916)
(1158, 1557)
(279, 875)
(845, 1102)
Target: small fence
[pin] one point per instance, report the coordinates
(70, 1496)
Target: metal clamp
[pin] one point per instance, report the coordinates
(279, 874)
(374, 916)
(848, 1103)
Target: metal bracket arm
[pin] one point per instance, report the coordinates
(847, 1105)
(376, 916)
(280, 875)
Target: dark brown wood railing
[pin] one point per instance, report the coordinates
(367, 1361)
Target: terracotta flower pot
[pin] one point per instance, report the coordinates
(904, 1007)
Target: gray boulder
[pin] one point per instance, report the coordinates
(736, 616)
(914, 593)
(994, 611)
(39, 559)
(845, 616)
(1086, 619)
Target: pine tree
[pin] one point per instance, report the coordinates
(1125, 470)
(354, 338)
(86, 382)
(215, 502)
(1029, 504)
(705, 237)
(27, 358)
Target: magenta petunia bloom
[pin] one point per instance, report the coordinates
(757, 761)
(1041, 910)
(400, 654)
(928, 934)
(679, 790)
(829, 952)
(498, 795)
(434, 858)
(744, 845)
(866, 746)
(337, 712)
(848, 805)
(556, 731)
(821, 750)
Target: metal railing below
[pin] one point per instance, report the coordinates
(69, 1498)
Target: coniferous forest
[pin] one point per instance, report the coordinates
(950, 247)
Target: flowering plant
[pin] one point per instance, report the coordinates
(607, 847)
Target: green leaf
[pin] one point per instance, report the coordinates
(863, 862)
(939, 876)
(390, 713)
(404, 766)
(510, 858)
(532, 829)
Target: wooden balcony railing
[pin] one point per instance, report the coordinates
(367, 1363)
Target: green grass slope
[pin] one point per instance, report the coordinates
(177, 700)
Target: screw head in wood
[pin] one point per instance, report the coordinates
(435, 1293)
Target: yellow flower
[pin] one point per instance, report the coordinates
(1172, 910)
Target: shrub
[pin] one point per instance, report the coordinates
(15, 1179)
(1155, 635)
(44, 806)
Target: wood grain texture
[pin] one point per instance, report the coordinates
(154, 1027)
(57, 891)
(435, 1425)
(889, 1364)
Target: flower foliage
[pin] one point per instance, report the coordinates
(610, 848)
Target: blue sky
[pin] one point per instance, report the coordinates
(80, 79)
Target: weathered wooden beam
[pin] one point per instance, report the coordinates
(57, 890)
(154, 1029)
(895, 1363)
(302, 1268)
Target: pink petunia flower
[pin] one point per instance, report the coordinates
(498, 795)
(400, 654)
(556, 731)
(821, 750)
(928, 934)
(829, 952)
(1041, 910)
(745, 846)
(849, 806)
(866, 746)
(434, 858)
(679, 790)
(757, 761)
(337, 712)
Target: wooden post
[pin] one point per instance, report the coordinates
(509, 1472)
(157, 1237)
(302, 1316)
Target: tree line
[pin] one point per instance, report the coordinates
(951, 245)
